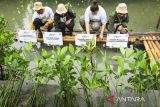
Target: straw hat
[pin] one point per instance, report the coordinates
(37, 6)
(121, 8)
(61, 9)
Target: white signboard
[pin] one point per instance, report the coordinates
(27, 36)
(117, 40)
(117, 44)
(53, 38)
(82, 39)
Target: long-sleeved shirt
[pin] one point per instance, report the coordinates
(115, 19)
(62, 19)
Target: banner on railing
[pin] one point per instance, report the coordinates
(83, 39)
(27, 36)
(117, 40)
(53, 38)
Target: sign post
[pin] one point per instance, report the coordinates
(82, 39)
(27, 36)
(117, 40)
(53, 38)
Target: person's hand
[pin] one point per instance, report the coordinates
(68, 21)
(120, 28)
(124, 30)
(50, 21)
(46, 26)
(101, 36)
(97, 33)
(32, 27)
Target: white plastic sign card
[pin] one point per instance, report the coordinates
(117, 40)
(53, 38)
(116, 44)
(117, 37)
(27, 36)
(82, 39)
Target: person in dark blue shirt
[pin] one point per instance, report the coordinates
(64, 18)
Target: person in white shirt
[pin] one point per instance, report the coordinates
(43, 16)
(94, 17)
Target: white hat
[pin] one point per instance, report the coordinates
(37, 6)
(121, 8)
(61, 9)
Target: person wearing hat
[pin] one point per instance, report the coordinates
(95, 18)
(64, 18)
(43, 16)
(118, 20)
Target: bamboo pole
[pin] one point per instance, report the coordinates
(157, 43)
(148, 49)
(157, 52)
(152, 49)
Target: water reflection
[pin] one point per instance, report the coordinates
(143, 13)
(28, 16)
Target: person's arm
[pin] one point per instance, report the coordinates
(72, 16)
(87, 27)
(104, 21)
(102, 30)
(125, 21)
(56, 20)
(86, 15)
(51, 18)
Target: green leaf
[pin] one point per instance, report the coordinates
(130, 53)
(77, 50)
(44, 53)
(71, 49)
(152, 63)
(132, 65)
(100, 53)
(93, 42)
(122, 50)
(36, 60)
(63, 52)
(41, 63)
(67, 59)
(29, 47)
(142, 64)
(100, 75)
(120, 63)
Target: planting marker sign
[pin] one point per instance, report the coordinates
(82, 39)
(27, 36)
(53, 38)
(117, 40)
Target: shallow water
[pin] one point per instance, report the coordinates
(143, 13)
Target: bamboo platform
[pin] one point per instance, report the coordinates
(152, 46)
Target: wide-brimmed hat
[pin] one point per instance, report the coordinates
(122, 8)
(61, 9)
(37, 6)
